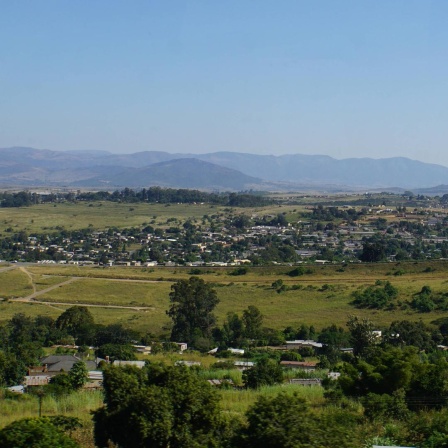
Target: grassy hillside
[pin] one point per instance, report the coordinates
(138, 298)
(98, 215)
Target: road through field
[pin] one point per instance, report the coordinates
(32, 297)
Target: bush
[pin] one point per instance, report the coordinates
(296, 272)
(266, 372)
(239, 271)
(34, 433)
(290, 356)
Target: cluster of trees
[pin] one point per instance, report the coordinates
(426, 300)
(173, 407)
(191, 310)
(152, 194)
(321, 213)
(383, 295)
(376, 296)
(192, 304)
(20, 199)
(401, 380)
(22, 339)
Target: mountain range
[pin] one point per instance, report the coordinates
(229, 171)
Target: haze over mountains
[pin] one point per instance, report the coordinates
(213, 171)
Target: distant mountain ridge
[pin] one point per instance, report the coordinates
(219, 170)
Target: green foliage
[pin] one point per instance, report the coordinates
(192, 305)
(376, 296)
(385, 372)
(60, 385)
(122, 352)
(405, 332)
(361, 331)
(385, 406)
(373, 251)
(78, 375)
(34, 433)
(78, 322)
(253, 321)
(290, 355)
(277, 284)
(239, 271)
(423, 301)
(285, 421)
(266, 372)
(114, 334)
(164, 406)
(296, 272)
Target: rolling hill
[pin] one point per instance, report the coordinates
(220, 170)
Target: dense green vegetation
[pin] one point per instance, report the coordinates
(127, 195)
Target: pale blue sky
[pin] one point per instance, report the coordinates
(347, 78)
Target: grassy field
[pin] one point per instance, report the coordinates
(99, 215)
(323, 298)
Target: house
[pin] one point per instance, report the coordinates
(182, 346)
(143, 349)
(305, 365)
(36, 380)
(55, 364)
(243, 365)
(301, 343)
(95, 380)
(236, 351)
(187, 363)
(306, 381)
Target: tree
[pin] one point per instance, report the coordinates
(34, 433)
(78, 375)
(165, 407)
(362, 333)
(114, 334)
(78, 322)
(232, 331)
(123, 352)
(373, 251)
(60, 384)
(192, 304)
(405, 332)
(266, 372)
(252, 320)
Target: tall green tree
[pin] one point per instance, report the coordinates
(78, 322)
(167, 407)
(192, 305)
(253, 321)
(78, 375)
(362, 335)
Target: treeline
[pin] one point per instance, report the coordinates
(23, 338)
(20, 199)
(127, 195)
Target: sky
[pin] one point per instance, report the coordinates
(346, 78)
